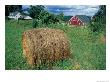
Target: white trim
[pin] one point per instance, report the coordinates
(71, 18)
(76, 17)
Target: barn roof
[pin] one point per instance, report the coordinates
(84, 18)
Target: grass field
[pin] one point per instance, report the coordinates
(88, 49)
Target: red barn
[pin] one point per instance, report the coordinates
(79, 20)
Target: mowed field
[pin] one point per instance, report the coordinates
(88, 49)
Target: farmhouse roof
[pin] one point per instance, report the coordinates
(84, 18)
(14, 13)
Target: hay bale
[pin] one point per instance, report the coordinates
(45, 45)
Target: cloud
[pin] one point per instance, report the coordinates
(25, 6)
(73, 9)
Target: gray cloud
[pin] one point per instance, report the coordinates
(71, 9)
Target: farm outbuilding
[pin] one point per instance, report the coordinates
(27, 18)
(80, 20)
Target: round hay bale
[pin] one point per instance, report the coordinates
(45, 45)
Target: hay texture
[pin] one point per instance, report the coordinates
(45, 45)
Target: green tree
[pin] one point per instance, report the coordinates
(34, 12)
(61, 16)
(12, 8)
(98, 22)
(43, 16)
(51, 19)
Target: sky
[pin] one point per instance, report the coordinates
(71, 10)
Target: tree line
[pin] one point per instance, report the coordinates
(98, 22)
(42, 16)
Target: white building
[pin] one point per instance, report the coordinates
(17, 15)
(27, 18)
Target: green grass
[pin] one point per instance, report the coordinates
(88, 51)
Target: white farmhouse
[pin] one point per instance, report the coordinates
(15, 15)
